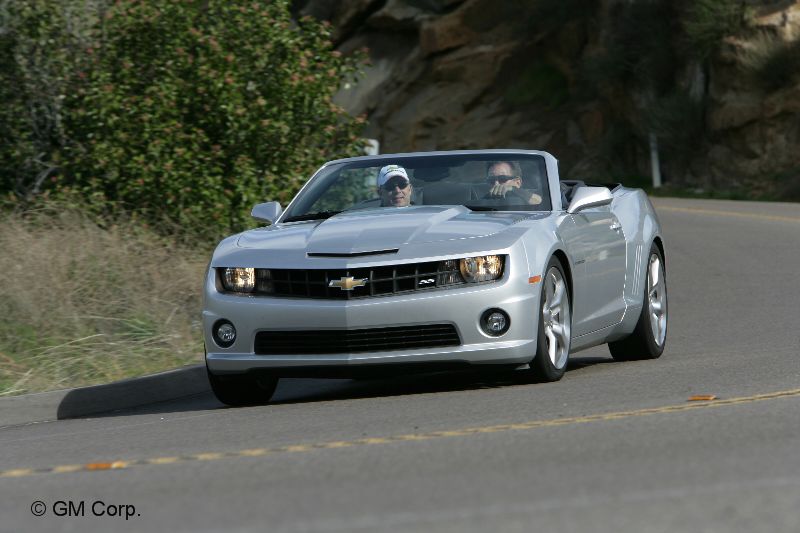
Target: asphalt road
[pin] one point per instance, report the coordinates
(612, 447)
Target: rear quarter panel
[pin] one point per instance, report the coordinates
(641, 227)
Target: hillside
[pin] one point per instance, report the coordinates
(715, 81)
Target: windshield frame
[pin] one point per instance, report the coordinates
(322, 177)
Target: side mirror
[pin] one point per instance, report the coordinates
(267, 212)
(586, 197)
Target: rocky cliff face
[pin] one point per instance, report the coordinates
(448, 74)
(753, 128)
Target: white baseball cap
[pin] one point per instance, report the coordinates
(390, 171)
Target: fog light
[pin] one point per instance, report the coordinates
(495, 322)
(224, 333)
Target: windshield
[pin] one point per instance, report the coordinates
(481, 182)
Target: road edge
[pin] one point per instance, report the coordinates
(98, 399)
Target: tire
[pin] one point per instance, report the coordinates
(238, 390)
(650, 335)
(555, 326)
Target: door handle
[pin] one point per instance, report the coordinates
(616, 226)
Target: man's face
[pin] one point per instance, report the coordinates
(396, 192)
(500, 178)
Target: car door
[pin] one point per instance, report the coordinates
(596, 243)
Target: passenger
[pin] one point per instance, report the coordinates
(394, 187)
(505, 177)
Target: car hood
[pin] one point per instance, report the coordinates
(375, 230)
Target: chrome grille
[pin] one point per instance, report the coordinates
(381, 280)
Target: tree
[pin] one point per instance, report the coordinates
(195, 110)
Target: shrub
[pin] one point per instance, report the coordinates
(706, 22)
(678, 121)
(538, 83)
(556, 13)
(191, 111)
(787, 185)
(639, 48)
(613, 156)
(37, 38)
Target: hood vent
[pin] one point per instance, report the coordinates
(352, 254)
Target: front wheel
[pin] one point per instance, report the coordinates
(242, 389)
(555, 325)
(650, 335)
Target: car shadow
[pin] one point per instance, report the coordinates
(302, 390)
(296, 391)
(578, 363)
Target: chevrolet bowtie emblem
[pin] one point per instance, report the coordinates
(348, 284)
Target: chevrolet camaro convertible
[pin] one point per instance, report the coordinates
(429, 261)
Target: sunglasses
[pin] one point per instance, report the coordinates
(500, 178)
(395, 182)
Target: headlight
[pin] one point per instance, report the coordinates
(483, 268)
(239, 279)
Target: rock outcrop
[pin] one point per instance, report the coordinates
(449, 74)
(753, 130)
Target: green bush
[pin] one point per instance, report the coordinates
(677, 119)
(706, 22)
(612, 154)
(639, 49)
(648, 40)
(538, 83)
(645, 55)
(37, 41)
(556, 13)
(787, 185)
(190, 111)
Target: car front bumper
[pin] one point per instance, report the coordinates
(462, 307)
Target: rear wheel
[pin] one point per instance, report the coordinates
(555, 324)
(243, 389)
(648, 339)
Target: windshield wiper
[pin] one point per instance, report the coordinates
(319, 215)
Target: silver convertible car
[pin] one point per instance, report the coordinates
(429, 261)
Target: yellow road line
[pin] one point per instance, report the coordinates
(433, 435)
(726, 213)
(254, 453)
(208, 456)
(63, 469)
(18, 472)
(336, 444)
(163, 460)
(297, 448)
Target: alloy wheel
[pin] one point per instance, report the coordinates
(556, 317)
(657, 299)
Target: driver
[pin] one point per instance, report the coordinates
(505, 178)
(394, 187)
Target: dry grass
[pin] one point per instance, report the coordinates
(83, 305)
